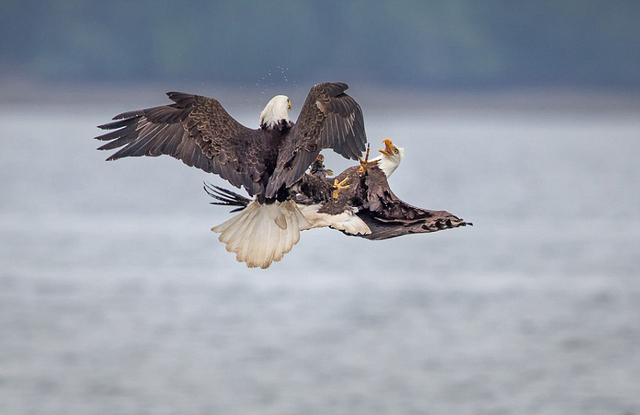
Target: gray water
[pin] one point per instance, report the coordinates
(115, 298)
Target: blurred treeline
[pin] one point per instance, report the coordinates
(448, 43)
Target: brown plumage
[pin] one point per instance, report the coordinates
(265, 161)
(370, 194)
(388, 216)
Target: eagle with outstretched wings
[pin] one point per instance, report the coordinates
(266, 160)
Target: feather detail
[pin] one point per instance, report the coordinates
(262, 233)
(346, 221)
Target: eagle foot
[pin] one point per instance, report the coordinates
(365, 164)
(339, 186)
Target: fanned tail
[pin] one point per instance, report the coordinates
(262, 233)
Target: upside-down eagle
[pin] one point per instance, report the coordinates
(266, 161)
(360, 196)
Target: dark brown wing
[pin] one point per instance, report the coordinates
(388, 216)
(196, 130)
(329, 118)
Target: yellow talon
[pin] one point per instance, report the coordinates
(339, 186)
(362, 169)
(365, 164)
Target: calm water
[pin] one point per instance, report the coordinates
(115, 298)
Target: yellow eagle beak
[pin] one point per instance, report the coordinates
(388, 147)
(289, 105)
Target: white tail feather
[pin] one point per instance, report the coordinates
(346, 221)
(261, 234)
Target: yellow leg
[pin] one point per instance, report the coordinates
(365, 164)
(339, 186)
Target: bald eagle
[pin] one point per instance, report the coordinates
(358, 202)
(266, 161)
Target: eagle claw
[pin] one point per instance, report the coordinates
(365, 164)
(339, 186)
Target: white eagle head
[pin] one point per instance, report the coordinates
(390, 158)
(276, 112)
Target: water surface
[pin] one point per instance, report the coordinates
(115, 298)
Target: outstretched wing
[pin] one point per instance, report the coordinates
(196, 130)
(329, 118)
(388, 216)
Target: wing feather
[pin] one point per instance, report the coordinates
(388, 216)
(329, 118)
(196, 130)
